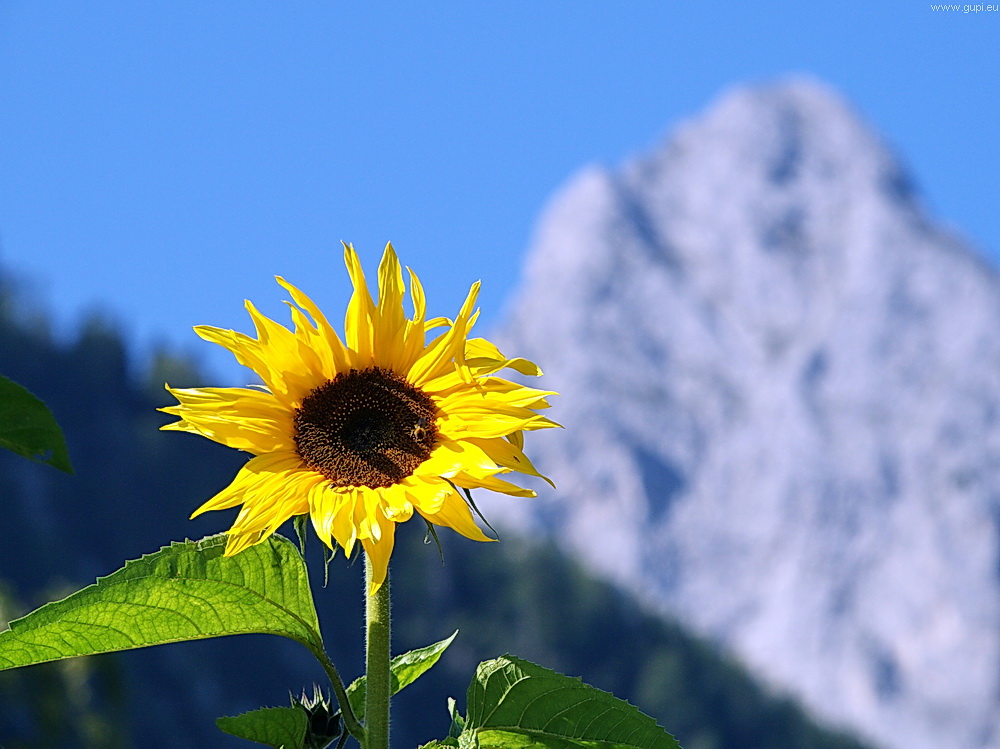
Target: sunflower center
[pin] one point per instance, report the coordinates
(366, 427)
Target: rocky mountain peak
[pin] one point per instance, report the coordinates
(781, 387)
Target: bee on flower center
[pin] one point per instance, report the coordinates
(419, 431)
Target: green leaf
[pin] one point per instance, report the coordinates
(280, 727)
(517, 704)
(28, 427)
(457, 721)
(185, 591)
(404, 670)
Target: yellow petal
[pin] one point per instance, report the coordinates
(488, 357)
(450, 457)
(256, 471)
(510, 456)
(426, 492)
(455, 514)
(273, 500)
(368, 513)
(313, 349)
(417, 295)
(447, 351)
(379, 553)
(345, 529)
(290, 374)
(396, 503)
(240, 418)
(390, 319)
(242, 346)
(323, 502)
(237, 542)
(360, 312)
(437, 322)
(482, 348)
(493, 484)
(332, 343)
(415, 332)
(492, 395)
(458, 427)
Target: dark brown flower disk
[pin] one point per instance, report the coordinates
(365, 427)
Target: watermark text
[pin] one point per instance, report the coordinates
(979, 8)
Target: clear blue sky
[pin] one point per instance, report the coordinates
(163, 161)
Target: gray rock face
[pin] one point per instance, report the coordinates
(781, 390)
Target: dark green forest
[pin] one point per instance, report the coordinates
(132, 492)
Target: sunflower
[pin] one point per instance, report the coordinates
(360, 433)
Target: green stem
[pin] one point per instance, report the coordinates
(350, 721)
(377, 679)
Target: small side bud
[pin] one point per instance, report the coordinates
(325, 725)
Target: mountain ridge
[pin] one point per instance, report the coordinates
(780, 385)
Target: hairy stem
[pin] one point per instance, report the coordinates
(377, 678)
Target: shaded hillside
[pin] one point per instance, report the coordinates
(133, 490)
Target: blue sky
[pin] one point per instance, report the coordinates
(163, 161)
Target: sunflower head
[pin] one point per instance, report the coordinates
(399, 416)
